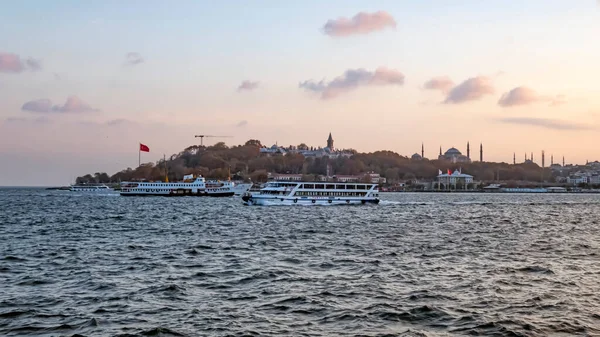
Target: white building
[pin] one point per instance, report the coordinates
(454, 179)
(594, 179)
(577, 179)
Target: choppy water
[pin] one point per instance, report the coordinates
(415, 265)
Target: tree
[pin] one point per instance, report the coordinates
(219, 146)
(259, 176)
(253, 142)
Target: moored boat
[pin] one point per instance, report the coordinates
(90, 188)
(313, 193)
(188, 187)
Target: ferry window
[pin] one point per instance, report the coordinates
(351, 187)
(340, 187)
(330, 187)
(309, 185)
(319, 186)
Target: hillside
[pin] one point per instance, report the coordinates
(246, 162)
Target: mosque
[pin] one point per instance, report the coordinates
(452, 154)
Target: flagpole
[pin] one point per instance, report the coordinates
(139, 154)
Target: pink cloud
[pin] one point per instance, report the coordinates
(442, 83)
(12, 63)
(361, 23)
(247, 86)
(353, 79)
(470, 90)
(553, 124)
(524, 96)
(518, 96)
(73, 105)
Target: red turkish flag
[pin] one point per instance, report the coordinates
(144, 148)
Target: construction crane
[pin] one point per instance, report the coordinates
(208, 136)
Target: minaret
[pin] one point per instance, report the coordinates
(422, 151)
(543, 159)
(440, 150)
(514, 158)
(330, 142)
(481, 152)
(551, 159)
(531, 156)
(563, 161)
(525, 156)
(468, 151)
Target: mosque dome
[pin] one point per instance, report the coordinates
(452, 152)
(416, 156)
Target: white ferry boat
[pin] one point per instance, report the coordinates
(313, 193)
(188, 187)
(89, 188)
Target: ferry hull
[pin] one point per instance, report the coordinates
(254, 201)
(189, 194)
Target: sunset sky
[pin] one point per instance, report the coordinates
(82, 83)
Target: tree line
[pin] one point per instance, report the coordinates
(245, 162)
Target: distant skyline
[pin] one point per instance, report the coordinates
(81, 84)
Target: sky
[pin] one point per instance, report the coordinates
(83, 83)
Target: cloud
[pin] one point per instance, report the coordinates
(133, 59)
(518, 96)
(73, 105)
(470, 90)
(242, 124)
(118, 122)
(352, 79)
(247, 86)
(442, 83)
(39, 105)
(22, 120)
(361, 23)
(553, 124)
(524, 95)
(12, 63)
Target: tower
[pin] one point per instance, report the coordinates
(481, 152)
(440, 150)
(531, 156)
(525, 156)
(551, 159)
(514, 158)
(468, 151)
(330, 142)
(422, 150)
(543, 159)
(563, 161)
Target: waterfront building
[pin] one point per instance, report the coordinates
(445, 180)
(577, 179)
